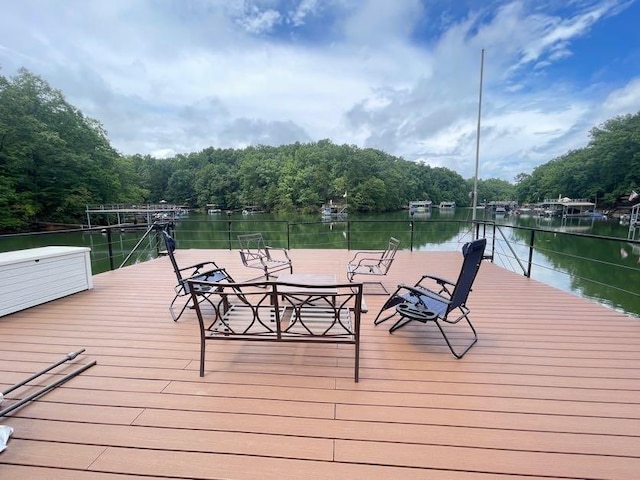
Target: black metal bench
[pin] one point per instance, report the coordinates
(279, 312)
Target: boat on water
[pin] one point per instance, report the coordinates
(447, 205)
(420, 206)
(570, 208)
(524, 211)
(251, 210)
(501, 207)
(331, 210)
(213, 209)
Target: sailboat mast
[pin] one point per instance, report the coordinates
(475, 178)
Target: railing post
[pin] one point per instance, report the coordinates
(412, 232)
(531, 240)
(288, 239)
(229, 223)
(111, 266)
(348, 234)
(493, 247)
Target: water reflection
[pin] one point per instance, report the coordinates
(604, 270)
(607, 271)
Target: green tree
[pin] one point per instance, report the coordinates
(606, 169)
(53, 159)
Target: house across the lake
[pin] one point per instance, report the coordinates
(567, 208)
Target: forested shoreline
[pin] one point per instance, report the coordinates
(54, 161)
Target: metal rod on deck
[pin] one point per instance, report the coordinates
(46, 389)
(69, 356)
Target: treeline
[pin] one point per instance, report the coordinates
(54, 162)
(607, 170)
(300, 177)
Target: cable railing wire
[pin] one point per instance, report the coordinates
(510, 251)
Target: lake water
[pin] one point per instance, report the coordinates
(607, 271)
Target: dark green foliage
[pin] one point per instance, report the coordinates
(607, 169)
(300, 177)
(493, 189)
(53, 160)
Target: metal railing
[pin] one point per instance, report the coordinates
(578, 262)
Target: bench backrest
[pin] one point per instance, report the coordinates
(278, 311)
(281, 310)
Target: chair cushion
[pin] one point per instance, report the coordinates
(213, 276)
(439, 307)
(415, 312)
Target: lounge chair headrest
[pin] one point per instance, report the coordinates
(171, 243)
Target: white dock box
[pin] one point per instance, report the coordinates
(38, 275)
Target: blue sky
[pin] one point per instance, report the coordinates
(176, 76)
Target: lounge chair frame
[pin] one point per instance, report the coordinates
(419, 303)
(206, 271)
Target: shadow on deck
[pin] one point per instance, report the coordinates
(550, 390)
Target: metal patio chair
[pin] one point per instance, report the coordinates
(445, 305)
(204, 271)
(255, 253)
(373, 263)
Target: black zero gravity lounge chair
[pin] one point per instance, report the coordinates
(203, 271)
(447, 305)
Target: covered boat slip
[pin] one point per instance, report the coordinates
(551, 389)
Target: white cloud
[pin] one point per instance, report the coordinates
(164, 153)
(260, 21)
(304, 9)
(553, 33)
(379, 21)
(622, 100)
(174, 77)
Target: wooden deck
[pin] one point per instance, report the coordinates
(551, 390)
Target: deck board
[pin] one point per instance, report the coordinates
(550, 390)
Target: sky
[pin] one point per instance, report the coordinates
(167, 77)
